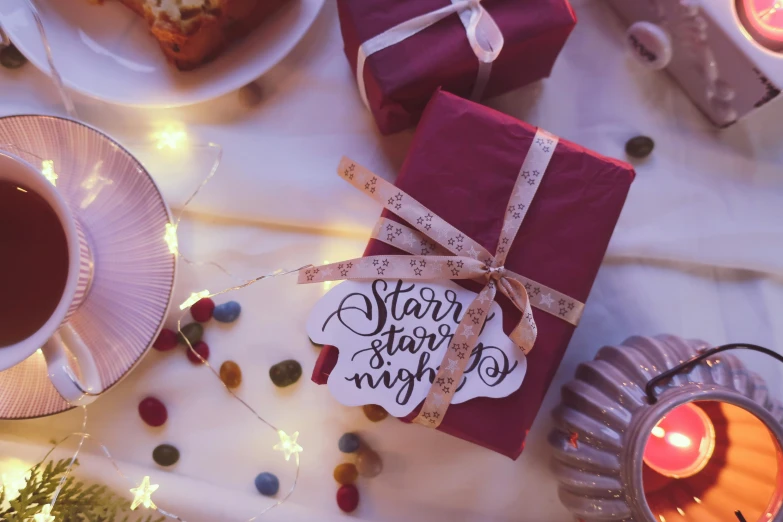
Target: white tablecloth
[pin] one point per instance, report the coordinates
(696, 253)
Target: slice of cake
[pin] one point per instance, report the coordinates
(193, 32)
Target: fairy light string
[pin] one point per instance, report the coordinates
(142, 491)
(287, 444)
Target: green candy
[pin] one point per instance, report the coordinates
(193, 332)
(285, 373)
(11, 58)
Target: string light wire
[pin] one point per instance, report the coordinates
(287, 443)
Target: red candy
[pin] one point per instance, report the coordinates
(201, 349)
(153, 412)
(348, 498)
(167, 340)
(202, 310)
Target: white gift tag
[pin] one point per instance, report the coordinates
(392, 336)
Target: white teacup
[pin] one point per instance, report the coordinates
(55, 337)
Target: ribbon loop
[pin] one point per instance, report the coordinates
(483, 33)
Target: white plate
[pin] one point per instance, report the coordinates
(105, 51)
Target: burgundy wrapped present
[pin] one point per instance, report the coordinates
(400, 79)
(467, 156)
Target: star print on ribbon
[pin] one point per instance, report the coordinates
(441, 251)
(484, 35)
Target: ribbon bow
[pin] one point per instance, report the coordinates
(482, 31)
(446, 253)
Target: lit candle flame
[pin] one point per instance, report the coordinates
(678, 440)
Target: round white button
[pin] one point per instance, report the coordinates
(650, 44)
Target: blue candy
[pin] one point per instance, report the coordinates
(348, 443)
(267, 484)
(227, 312)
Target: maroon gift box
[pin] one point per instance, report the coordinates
(463, 163)
(401, 79)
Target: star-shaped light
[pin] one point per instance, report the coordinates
(288, 445)
(143, 493)
(170, 138)
(45, 515)
(47, 169)
(170, 237)
(194, 297)
(546, 300)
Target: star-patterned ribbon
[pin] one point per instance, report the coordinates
(446, 253)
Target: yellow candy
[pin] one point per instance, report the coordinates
(345, 473)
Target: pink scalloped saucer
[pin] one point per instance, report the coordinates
(124, 217)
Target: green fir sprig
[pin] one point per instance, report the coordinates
(76, 502)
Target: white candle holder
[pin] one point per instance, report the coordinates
(727, 55)
(615, 406)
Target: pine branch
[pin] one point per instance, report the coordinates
(76, 501)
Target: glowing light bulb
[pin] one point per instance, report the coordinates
(681, 512)
(142, 495)
(47, 169)
(194, 297)
(45, 515)
(288, 445)
(12, 484)
(170, 237)
(171, 137)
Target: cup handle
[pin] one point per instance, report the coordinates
(75, 391)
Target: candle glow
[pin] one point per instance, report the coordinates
(763, 19)
(682, 442)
